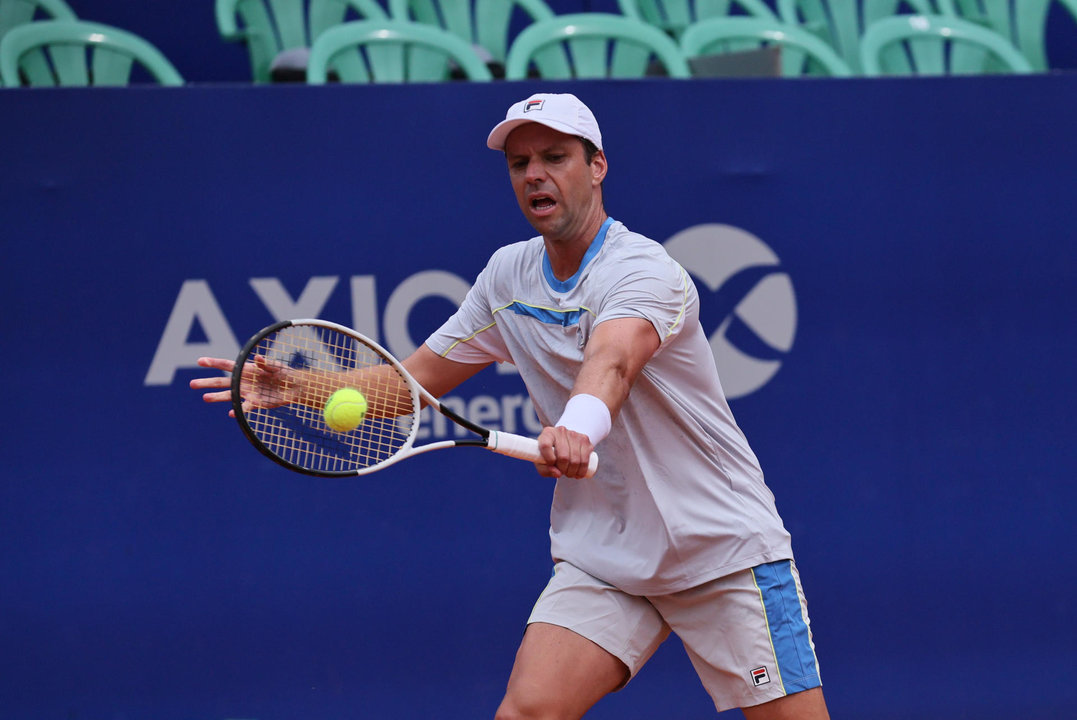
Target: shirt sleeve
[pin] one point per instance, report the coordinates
(471, 335)
(657, 289)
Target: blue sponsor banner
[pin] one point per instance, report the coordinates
(887, 276)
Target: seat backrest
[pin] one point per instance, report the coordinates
(872, 10)
(840, 23)
(73, 53)
(591, 46)
(391, 51)
(487, 23)
(937, 45)
(799, 48)
(269, 27)
(1022, 22)
(674, 16)
(19, 12)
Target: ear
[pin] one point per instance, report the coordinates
(598, 168)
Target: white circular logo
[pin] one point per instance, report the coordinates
(750, 296)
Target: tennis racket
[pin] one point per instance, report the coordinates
(287, 372)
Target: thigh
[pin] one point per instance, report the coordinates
(806, 705)
(558, 673)
(625, 626)
(747, 635)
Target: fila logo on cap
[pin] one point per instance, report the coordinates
(760, 676)
(533, 105)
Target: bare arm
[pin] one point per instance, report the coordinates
(615, 355)
(385, 389)
(435, 373)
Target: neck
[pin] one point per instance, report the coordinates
(566, 253)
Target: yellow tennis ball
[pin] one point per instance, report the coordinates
(345, 410)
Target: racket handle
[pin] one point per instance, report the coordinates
(525, 448)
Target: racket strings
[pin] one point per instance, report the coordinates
(291, 374)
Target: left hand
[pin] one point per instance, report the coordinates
(264, 384)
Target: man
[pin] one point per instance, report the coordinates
(677, 531)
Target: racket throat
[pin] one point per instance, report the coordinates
(483, 433)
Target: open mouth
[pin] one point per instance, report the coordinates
(540, 203)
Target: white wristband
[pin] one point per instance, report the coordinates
(588, 415)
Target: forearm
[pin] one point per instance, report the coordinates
(606, 378)
(614, 358)
(386, 392)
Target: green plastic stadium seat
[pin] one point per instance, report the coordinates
(937, 45)
(799, 48)
(593, 46)
(279, 33)
(19, 12)
(489, 25)
(392, 51)
(674, 16)
(71, 53)
(1022, 22)
(841, 23)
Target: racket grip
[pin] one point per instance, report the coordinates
(525, 448)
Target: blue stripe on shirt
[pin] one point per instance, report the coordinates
(565, 318)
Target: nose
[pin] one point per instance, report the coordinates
(536, 170)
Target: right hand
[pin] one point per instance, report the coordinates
(567, 453)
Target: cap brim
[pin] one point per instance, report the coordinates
(500, 133)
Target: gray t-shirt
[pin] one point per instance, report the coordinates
(679, 498)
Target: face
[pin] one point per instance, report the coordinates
(558, 192)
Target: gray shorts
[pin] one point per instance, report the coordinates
(747, 634)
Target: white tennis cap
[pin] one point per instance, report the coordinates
(562, 112)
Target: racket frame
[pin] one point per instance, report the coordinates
(504, 443)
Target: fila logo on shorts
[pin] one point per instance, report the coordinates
(533, 105)
(760, 676)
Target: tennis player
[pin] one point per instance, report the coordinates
(677, 532)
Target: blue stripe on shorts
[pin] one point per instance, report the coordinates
(798, 668)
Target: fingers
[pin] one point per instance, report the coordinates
(262, 363)
(219, 386)
(547, 441)
(218, 381)
(547, 471)
(211, 383)
(269, 369)
(215, 397)
(217, 363)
